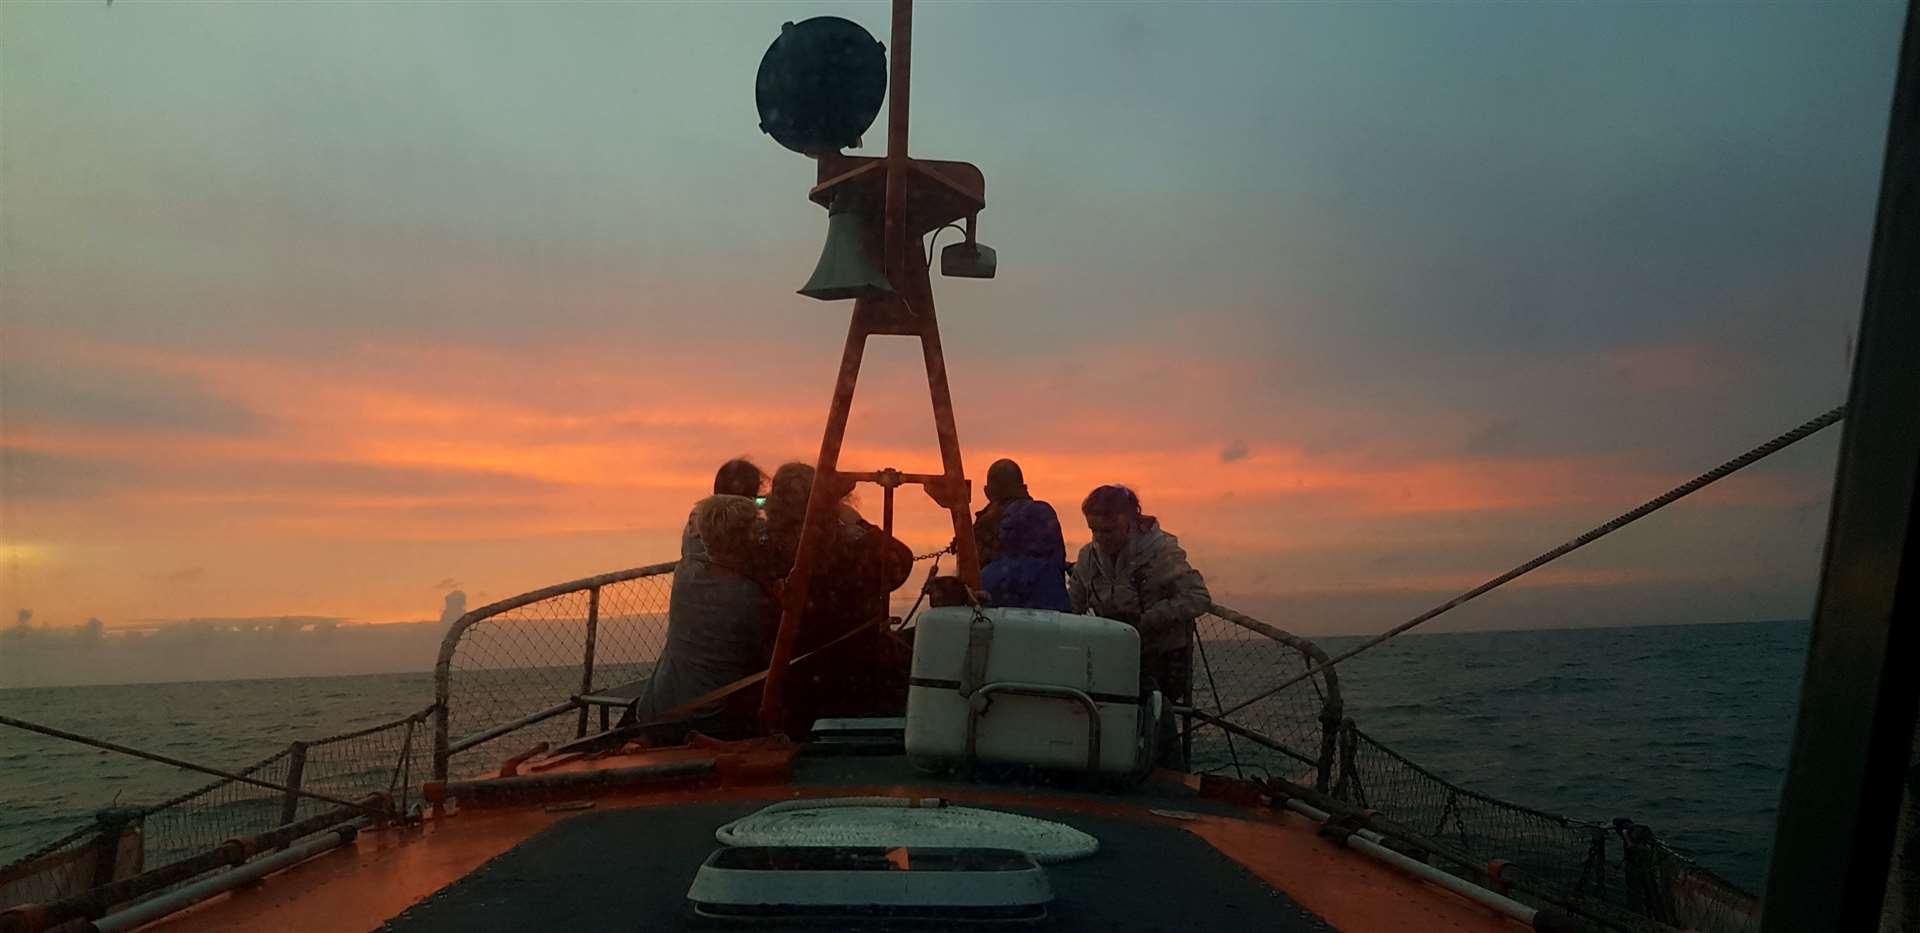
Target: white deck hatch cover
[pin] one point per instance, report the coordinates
(911, 822)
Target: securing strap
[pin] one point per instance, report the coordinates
(979, 649)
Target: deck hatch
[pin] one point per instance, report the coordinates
(906, 883)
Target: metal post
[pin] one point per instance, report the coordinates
(403, 769)
(910, 312)
(442, 695)
(1850, 751)
(820, 513)
(899, 95)
(1186, 733)
(886, 509)
(966, 551)
(886, 525)
(106, 844)
(586, 665)
(1330, 714)
(296, 773)
(1348, 787)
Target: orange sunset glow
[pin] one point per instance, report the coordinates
(344, 313)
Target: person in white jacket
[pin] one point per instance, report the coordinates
(1136, 572)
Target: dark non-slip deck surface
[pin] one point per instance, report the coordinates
(628, 870)
(886, 770)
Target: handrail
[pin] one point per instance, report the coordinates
(30, 877)
(232, 852)
(1332, 707)
(444, 747)
(443, 665)
(487, 735)
(976, 707)
(1661, 871)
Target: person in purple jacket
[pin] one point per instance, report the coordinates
(1030, 568)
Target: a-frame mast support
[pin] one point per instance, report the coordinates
(940, 188)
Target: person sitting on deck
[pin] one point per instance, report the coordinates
(720, 617)
(856, 568)
(1005, 485)
(1031, 571)
(1135, 572)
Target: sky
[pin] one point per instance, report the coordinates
(335, 310)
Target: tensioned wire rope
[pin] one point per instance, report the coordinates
(1689, 487)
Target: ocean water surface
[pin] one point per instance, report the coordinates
(1682, 728)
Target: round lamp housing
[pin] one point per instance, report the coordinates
(820, 85)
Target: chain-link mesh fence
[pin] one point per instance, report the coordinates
(506, 664)
(633, 629)
(514, 667)
(390, 758)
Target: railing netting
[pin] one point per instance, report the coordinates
(1236, 658)
(1618, 873)
(391, 758)
(507, 664)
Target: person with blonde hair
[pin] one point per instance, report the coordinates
(721, 616)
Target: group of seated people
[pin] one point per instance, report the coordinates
(737, 551)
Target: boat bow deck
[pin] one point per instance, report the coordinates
(1171, 858)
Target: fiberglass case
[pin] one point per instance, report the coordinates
(1026, 686)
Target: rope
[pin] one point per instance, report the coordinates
(370, 730)
(1652, 505)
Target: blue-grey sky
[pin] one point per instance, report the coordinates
(308, 306)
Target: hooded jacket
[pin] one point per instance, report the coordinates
(1148, 585)
(1030, 571)
(719, 627)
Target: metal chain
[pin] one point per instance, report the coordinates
(932, 572)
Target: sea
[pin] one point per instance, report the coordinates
(1682, 728)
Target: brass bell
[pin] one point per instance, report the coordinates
(850, 264)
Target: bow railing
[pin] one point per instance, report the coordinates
(142, 849)
(518, 666)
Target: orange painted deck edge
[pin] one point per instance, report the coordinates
(387, 871)
(1348, 890)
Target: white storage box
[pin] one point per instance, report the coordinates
(1026, 686)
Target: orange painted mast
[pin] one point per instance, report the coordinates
(918, 197)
